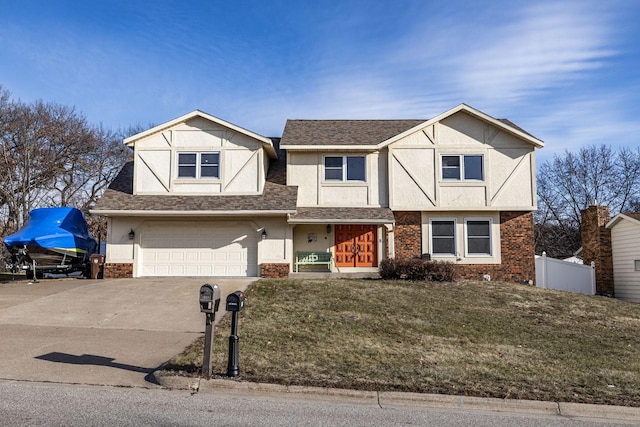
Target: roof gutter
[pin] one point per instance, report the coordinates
(188, 213)
(340, 221)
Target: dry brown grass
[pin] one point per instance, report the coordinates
(480, 339)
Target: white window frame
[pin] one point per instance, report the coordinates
(344, 169)
(462, 171)
(455, 238)
(198, 164)
(466, 237)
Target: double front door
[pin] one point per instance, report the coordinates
(355, 245)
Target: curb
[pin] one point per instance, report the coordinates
(394, 399)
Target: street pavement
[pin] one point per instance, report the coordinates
(23, 403)
(99, 332)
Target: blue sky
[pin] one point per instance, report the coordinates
(566, 71)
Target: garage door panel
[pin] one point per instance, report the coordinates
(221, 257)
(191, 270)
(206, 249)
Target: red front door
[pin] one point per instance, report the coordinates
(356, 245)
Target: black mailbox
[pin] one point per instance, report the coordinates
(235, 301)
(210, 298)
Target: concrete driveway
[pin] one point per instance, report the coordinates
(102, 332)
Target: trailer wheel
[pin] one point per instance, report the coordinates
(39, 274)
(29, 274)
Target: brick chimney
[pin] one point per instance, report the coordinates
(596, 246)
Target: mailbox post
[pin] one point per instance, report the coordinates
(235, 303)
(209, 304)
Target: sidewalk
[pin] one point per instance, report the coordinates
(386, 399)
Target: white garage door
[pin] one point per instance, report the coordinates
(199, 249)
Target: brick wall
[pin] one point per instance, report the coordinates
(274, 270)
(408, 234)
(118, 271)
(596, 246)
(516, 246)
(517, 252)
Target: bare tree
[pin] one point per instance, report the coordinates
(572, 182)
(51, 156)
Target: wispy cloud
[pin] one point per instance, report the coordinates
(546, 46)
(584, 120)
(542, 64)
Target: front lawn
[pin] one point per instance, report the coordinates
(484, 339)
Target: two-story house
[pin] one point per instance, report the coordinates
(206, 197)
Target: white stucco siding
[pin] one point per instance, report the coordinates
(413, 177)
(242, 160)
(153, 170)
(510, 178)
(306, 170)
(312, 238)
(423, 138)
(197, 138)
(416, 177)
(382, 183)
(303, 170)
(624, 240)
(276, 248)
(461, 129)
(241, 167)
(352, 195)
(460, 197)
(120, 249)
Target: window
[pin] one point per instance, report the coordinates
(478, 237)
(443, 237)
(465, 167)
(344, 168)
(476, 241)
(198, 165)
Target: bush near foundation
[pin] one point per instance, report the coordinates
(417, 269)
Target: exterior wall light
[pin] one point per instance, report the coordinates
(132, 234)
(328, 228)
(264, 233)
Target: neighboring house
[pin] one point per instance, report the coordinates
(576, 258)
(625, 235)
(204, 197)
(612, 244)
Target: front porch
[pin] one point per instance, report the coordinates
(332, 242)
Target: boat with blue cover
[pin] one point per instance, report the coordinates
(53, 240)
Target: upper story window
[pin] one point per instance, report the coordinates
(199, 165)
(462, 167)
(344, 168)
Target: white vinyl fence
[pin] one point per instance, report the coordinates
(565, 276)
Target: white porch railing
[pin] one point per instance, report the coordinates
(553, 273)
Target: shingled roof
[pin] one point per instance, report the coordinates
(343, 132)
(330, 215)
(362, 134)
(276, 197)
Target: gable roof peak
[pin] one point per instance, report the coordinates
(267, 143)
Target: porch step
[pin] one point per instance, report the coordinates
(327, 275)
